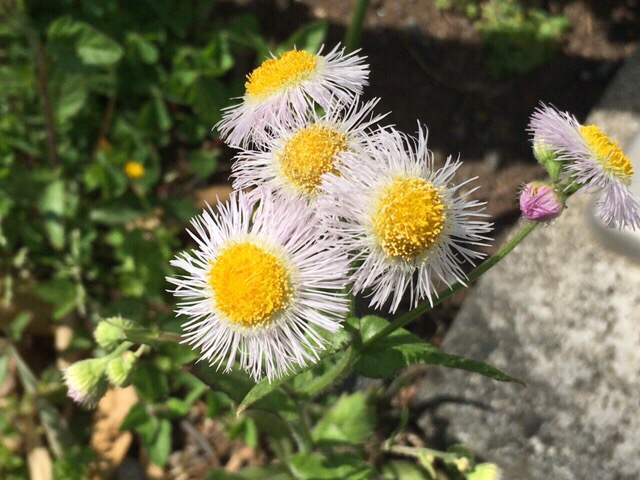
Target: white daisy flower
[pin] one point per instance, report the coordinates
(290, 84)
(410, 227)
(594, 161)
(263, 286)
(297, 154)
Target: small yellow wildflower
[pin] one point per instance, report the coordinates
(134, 170)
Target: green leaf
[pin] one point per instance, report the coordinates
(349, 421)
(137, 416)
(17, 326)
(237, 385)
(151, 384)
(402, 348)
(207, 96)
(316, 466)
(309, 37)
(270, 472)
(402, 470)
(52, 203)
(325, 374)
(156, 439)
(95, 48)
(339, 341)
(71, 98)
(60, 293)
(114, 215)
(145, 50)
(203, 162)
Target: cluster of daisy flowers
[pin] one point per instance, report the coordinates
(327, 204)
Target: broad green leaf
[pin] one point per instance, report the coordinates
(349, 421)
(401, 348)
(339, 341)
(95, 48)
(309, 37)
(316, 466)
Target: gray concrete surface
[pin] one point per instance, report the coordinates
(562, 312)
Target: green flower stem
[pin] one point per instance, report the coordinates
(120, 350)
(405, 318)
(150, 336)
(352, 37)
(419, 452)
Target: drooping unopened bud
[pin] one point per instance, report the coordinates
(539, 201)
(120, 369)
(86, 381)
(547, 158)
(110, 332)
(485, 471)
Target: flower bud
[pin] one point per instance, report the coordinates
(86, 381)
(110, 332)
(540, 202)
(120, 369)
(547, 158)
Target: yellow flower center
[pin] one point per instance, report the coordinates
(250, 284)
(290, 68)
(133, 169)
(309, 154)
(607, 152)
(408, 217)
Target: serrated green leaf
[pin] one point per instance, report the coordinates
(339, 341)
(401, 348)
(349, 421)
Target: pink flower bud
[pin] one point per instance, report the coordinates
(540, 202)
